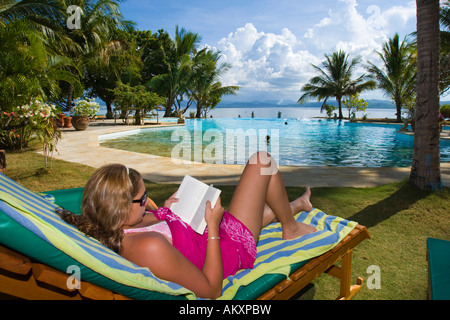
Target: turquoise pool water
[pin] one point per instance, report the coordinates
(304, 142)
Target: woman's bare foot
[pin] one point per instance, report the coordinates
(303, 203)
(297, 230)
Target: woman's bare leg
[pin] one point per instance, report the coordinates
(257, 188)
(302, 203)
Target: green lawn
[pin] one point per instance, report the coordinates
(398, 216)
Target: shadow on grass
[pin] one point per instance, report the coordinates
(400, 200)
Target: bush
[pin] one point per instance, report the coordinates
(24, 123)
(445, 110)
(329, 109)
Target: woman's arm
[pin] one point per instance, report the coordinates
(213, 266)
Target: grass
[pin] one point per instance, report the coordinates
(398, 216)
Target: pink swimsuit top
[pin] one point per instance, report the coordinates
(160, 227)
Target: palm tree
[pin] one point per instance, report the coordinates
(13, 10)
(19, 70)
(335, 80)
(444, 79)
(91, 44)
(121, 61)
(425, 169)
(27, 69)
(179, 63)
(205, 87)
(397, 78)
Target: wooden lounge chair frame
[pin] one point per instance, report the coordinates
(25, 278)
(324, 263)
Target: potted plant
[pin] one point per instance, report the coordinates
(83, 111)
(180, 117)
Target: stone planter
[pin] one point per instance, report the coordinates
(80, 123)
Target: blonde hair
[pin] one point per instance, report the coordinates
(106, 204)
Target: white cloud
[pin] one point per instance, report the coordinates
(276, 66)
(359, 31)
(267, 63)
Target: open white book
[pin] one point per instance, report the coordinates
(192, 195)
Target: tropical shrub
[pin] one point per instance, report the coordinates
(445, 110)
(329, 109)
(353, 104)
(22, 124)
(136, 99)
(85, 108)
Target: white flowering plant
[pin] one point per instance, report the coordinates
(21, 124)
(85, 108)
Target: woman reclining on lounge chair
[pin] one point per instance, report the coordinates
(114, 212)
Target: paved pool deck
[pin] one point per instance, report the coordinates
(83, 147)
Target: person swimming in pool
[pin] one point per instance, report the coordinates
(115, 211)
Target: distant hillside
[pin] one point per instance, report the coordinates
(273, 104)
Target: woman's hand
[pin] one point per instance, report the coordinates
(171, 200)
(213, 216)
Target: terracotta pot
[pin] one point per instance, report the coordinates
(67, 122)
(60, 120)
(80, 123)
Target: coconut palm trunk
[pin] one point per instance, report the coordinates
(425, 170)
(69, 98)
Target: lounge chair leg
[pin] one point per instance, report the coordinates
(346, 275)
(348, 291)
(353, 289)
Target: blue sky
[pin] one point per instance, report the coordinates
(272, 44)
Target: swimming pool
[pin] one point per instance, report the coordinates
(293, 142)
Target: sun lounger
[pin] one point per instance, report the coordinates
(438, 256)
(99, 117)
(40, 254)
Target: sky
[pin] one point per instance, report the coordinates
(272, 44)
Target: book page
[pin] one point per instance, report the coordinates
(198, 222)
(190, 194)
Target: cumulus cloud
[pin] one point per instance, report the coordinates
(349, 28)
(276, 66)
(267, 63)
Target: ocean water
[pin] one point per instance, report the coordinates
(294, 112)
(286, 112)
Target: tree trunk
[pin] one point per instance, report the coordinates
(199, 110)
(341, 116)
(109, 112)
(425, 170)
(169, 104)
(398, 107)
(69, 98)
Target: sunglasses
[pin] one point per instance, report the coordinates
(143, 200)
